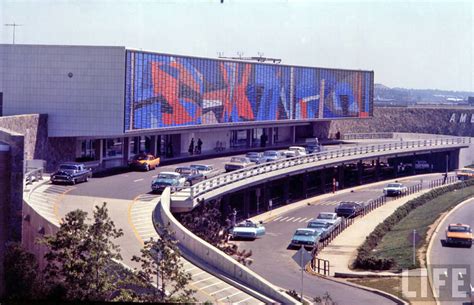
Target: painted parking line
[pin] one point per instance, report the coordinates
(309, 220)
(220, 290)
(216, 283)
(284, 218)
(289, 219)
(303, 219)
(203, 280)
(296, 219)
(138, 180)
(249, 298)
(229, 296)
(199, 273)
(277, 218)
(187, 270)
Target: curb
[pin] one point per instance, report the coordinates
(384, 294)
(435, 233)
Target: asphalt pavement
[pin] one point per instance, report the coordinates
(450, 257)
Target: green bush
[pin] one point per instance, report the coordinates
(366, 259)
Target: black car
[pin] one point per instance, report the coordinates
(191, 175)
(349, 209)
(71, 173)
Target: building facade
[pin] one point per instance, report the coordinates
(110, 103)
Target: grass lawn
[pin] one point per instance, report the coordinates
(393, 285)
(397, 243)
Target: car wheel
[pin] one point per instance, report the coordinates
(187, 183)
(73, 181)
(86, 179)
(147, 167)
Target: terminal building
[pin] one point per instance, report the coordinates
(107, 103)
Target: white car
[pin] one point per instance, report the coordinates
(208, 171)
(395, 189)
(295, 151)
(329, 217)
(247, 230)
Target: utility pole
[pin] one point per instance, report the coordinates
(13, 25)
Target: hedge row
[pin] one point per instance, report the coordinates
(365, 258)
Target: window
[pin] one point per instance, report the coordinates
(113, 148)
(88, 149)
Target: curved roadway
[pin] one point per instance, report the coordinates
(130, 204)
(450, 257)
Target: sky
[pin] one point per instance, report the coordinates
(409, 44)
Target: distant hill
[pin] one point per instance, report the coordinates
(403, 96)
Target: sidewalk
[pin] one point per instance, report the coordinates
(343, 249)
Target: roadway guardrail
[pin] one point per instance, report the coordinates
(259, 169)
(367, 136)
(31, 175)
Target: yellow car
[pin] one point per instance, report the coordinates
(459, 234)
(144, 162)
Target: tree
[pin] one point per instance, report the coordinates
(80, 256)
(21, 273)
(207, 222)
(160, 259)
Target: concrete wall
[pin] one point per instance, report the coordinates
(209, 139)
(16, 143)
(81, 88)
(454, 121)
(4, 208)
(216, 258)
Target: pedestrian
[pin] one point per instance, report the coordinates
(199, 145)
(270, 205)
(191, 147)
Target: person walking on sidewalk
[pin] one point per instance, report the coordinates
(199, 146)
(191, 147)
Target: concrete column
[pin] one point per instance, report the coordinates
(270, 136)
(323, 180)
(249, 138)
(246, 204)
(153, 145)
(126, 150)
(265, 195)
(377, 170)
(340, 176)
(286, 190)
(360, 171)
(413, 164)
(293, 134)
(101, 148)
(305, 184)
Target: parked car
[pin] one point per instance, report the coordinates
(71, 172)
(256, 157)
(465, 173)
(459, 234)
(349, 209)
(191, 175)
(306, 237)
(144, 162)
(165, 179)
(208, 171)
(247, 230)
(329, 217)
(295, 151)
(324, 228)
(395, 189)
(312, 148)
(272, 155)
(236, 163)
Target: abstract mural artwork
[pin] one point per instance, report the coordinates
(172, 91)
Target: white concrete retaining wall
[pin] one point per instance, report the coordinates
(218, 259)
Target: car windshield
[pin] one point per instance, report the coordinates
(200, 167)
(304, 233)
(184, 171)
(140, 157)
(253, 154)
(317, 225)
(325, 216)
(347, 205)
(458, 229)
(394, 185)
(247, 224)
(67, 167)
(238, 160)
(271, 153)
(166, 176)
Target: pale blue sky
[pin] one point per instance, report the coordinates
(409, 44)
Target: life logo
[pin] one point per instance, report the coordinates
(442, 282)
